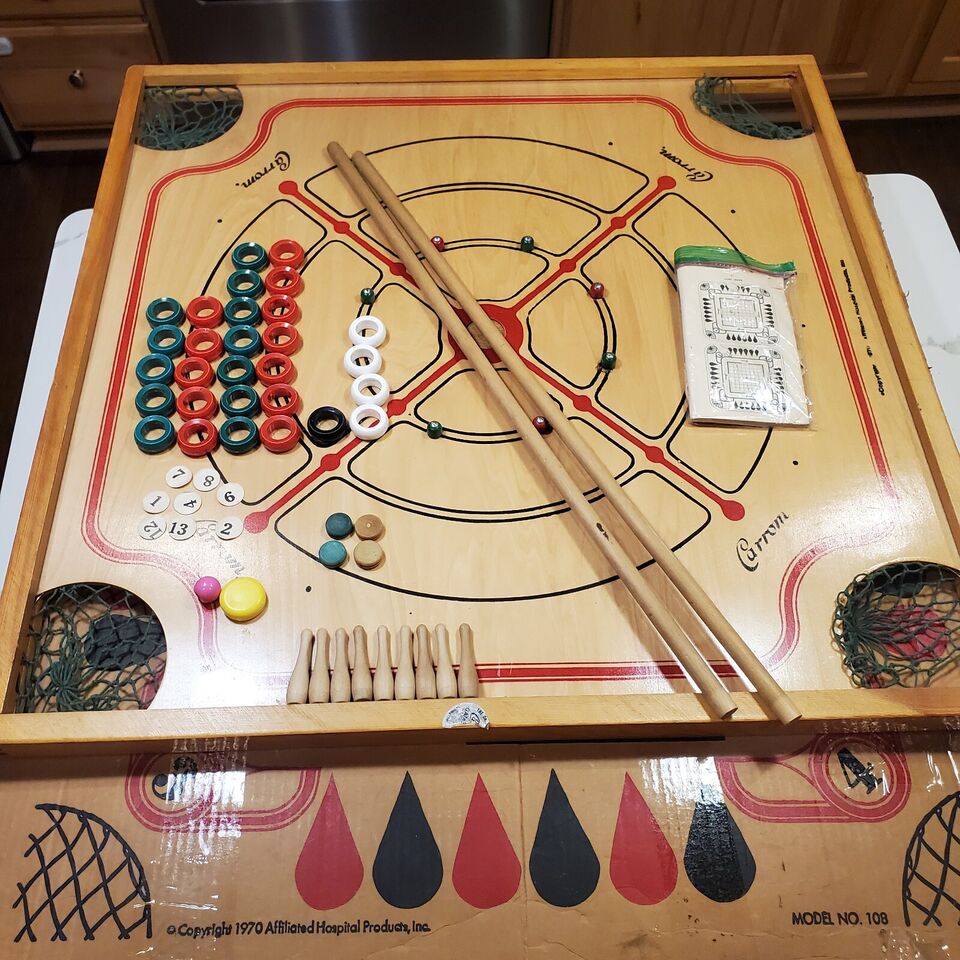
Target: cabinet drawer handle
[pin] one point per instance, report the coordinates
(77, 79)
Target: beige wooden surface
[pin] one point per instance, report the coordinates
(442, 566)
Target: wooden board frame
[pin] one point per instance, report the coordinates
(527, 718)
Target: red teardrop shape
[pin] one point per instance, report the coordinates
(329, 871)
(486, 871)
(643, 867)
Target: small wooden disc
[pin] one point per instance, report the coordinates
(369, 527)
(368, 554)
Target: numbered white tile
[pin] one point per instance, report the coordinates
(230, 494)
(182, 529)
(229, 528)
(156, 501)
(187, 503)
(206, 480)
(179, 476)
(150, 528)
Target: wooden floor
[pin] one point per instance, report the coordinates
(37, 192)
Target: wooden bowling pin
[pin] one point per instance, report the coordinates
(467, 683)
(362, 683)
(340, 681)
(426, 678)
(446, 678)
(319, 691)
(383, 678)
(405, 687)
(300, 677)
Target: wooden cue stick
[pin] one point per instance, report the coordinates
(770, 692)
(678, 642)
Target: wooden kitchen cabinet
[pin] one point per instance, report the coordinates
(938, 70)
(860, 45)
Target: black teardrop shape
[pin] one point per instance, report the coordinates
(717, 859)
(563, 865)
(408, 869)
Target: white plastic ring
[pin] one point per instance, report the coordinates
(358, 350)
(364, 382)
(368, 411)
(368, 331)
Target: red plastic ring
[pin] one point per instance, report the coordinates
(192, 395)
(283, 280)
(204, 374)
(198, 315)
(280, 306)
(272, 426)
(274, 368)
(272, 342)
(197, 427)
(280, 399)
(286, 253)
(206, 344)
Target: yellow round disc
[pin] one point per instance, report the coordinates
(368, 554)
(243, 599)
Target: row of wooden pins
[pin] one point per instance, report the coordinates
(420, 675)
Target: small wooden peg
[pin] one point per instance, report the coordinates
(426, 678)
(446, 678)
(362, 683)
(383, 678)
(467, 682)
(405, 686)
(340, 681)
(319, 691)
(300, 677)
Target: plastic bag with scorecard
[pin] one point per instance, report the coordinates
(740, 348)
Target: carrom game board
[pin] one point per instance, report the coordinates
(559, 192)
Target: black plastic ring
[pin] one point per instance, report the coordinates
(327, 436)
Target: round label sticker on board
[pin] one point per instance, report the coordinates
(229, 528)
(179, 476)
(150, 528)
(156, 501)
(230, 494)
(207, 479)
(187, 503)
(183, 528)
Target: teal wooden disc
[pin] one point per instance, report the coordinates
(332, 554)
(155, 368)
(245, 283)
(240, 400)
(242, 341)
(242, 310)
(338, 526)
(166, 339)
(147, 396)
(249, 256)
(238, 435)
(154, 434)
(233, 370)
(164, 311)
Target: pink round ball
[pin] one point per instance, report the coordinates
(207, 589)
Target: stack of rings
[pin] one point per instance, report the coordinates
(146, 436)
(369, 391)
(327, 436)
(197, 437)
(163, 311)
(279, 433)
(239, 434)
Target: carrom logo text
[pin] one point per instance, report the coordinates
(749, 553)
(281, 161)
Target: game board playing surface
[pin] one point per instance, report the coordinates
(608, 177)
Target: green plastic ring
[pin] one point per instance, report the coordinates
(248, 441)
(149, 362)
(240, 400)
(242, 332)
(227, 366)
(249, 256)
(148, 444)
(249, 306)
(166, 339)
(164, 305)
(151, 391)
(245, 283)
